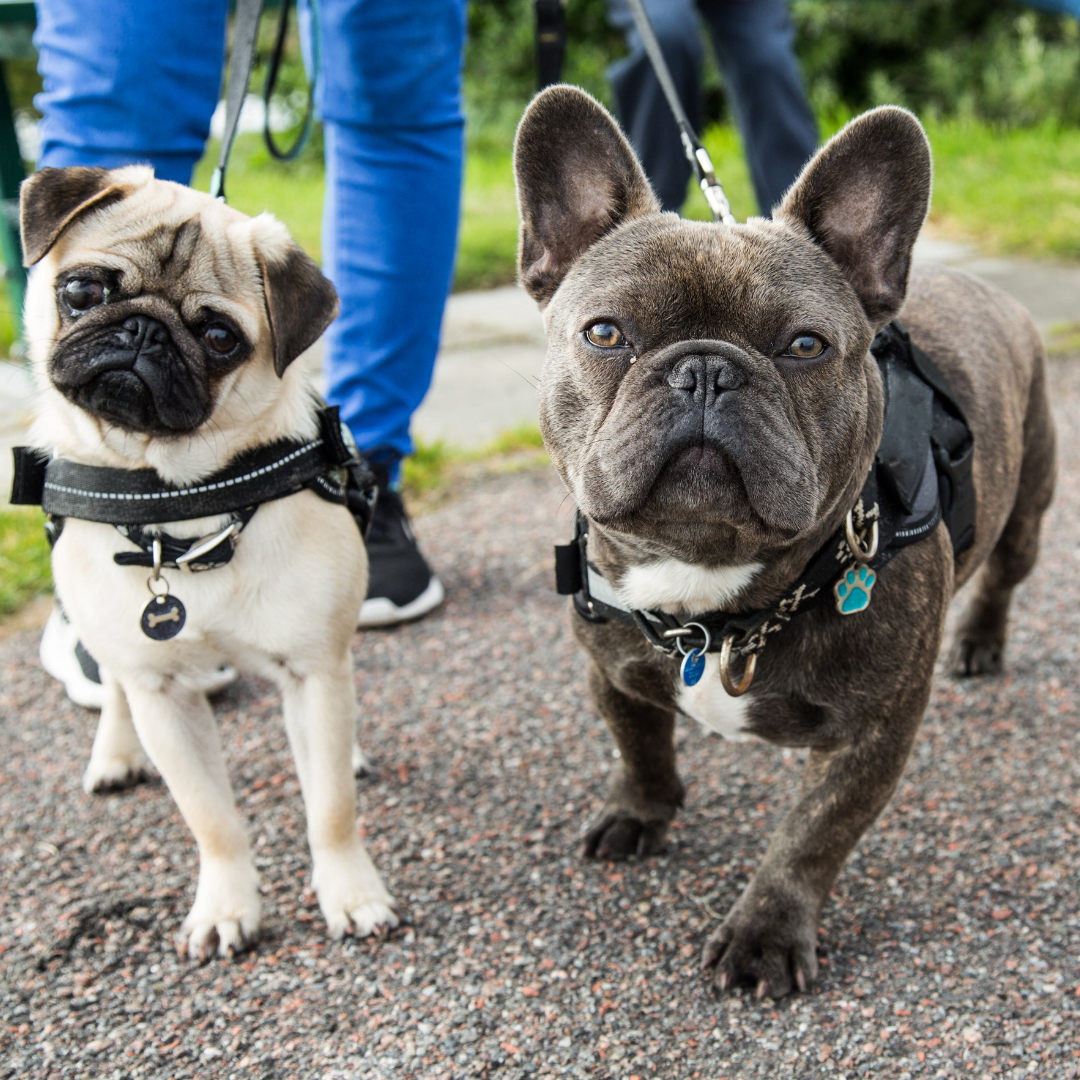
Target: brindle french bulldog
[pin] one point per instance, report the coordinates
(710, 402)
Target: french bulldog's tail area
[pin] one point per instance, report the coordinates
(979, 646)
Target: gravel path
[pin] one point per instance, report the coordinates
(951, 945)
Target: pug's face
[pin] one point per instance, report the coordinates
(154, 308)
(708, 389)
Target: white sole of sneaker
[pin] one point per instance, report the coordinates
(384, 612)
(57, 652)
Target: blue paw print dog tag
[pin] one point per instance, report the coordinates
(693, 667)
(853, 590)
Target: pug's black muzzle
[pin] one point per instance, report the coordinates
(134, 375)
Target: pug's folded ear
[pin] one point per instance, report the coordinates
(863, 197)
(577, 179)
(300, 300)
(51, 199)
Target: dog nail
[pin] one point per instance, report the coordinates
(724, 981)
(762, 990)
(800, 980)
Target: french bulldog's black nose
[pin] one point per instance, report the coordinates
(145, 334)
(709, 376)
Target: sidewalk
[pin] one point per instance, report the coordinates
(950, 946)
(493, 350)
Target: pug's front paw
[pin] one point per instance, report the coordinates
(767, 941)
(112, 773)
(351, 894)
(618, 834)
(225, 916)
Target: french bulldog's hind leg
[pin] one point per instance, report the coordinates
(645, 791)
(979, 646)
(177, 727)
(319, 716)
(117, 759)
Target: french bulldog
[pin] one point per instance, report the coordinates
(710, 403)
(163, 329)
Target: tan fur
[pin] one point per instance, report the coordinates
(284, 607)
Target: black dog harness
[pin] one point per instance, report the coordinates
(921, 475)
(132, 499)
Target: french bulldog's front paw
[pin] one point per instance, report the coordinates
(766, 942)
(617, 835)
(352, 896)
(977, 656)
(115, 772)
(225, 916)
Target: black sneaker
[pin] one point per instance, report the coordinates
(401, 585)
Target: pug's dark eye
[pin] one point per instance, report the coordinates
(219, 339)
(82, 294)
(606, 335)
(806, 347)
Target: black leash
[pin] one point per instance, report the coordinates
(550, 41)
(301, 140)
(696, 154)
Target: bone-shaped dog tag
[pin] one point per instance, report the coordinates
(163, 618)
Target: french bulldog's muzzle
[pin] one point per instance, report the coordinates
(685, 434)
(131, 371)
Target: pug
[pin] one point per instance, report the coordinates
(710, 401)
(164, 329)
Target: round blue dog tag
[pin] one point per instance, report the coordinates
(693, 667)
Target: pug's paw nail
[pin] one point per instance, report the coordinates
(762, 990)
(724, 981)
(800, 980)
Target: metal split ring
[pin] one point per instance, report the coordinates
(683, 630)
(858, 552)
(725, 669)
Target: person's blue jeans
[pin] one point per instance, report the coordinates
(138, 80)
(754, 47)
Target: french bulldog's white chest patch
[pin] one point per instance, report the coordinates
(712, 707)
(675, 586)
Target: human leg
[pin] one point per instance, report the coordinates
(137, 82)
(754, 46)
(642, 109)
(390, 98)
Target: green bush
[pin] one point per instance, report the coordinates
(993, 60)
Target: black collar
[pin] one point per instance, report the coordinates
(921, 475)
(130, 499)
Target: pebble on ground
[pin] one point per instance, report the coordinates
(950, 946)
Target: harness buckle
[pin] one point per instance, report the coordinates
(203, 547)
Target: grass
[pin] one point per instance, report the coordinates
(24, 558)
(434, 466)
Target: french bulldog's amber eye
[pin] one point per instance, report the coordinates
(806, 347)
(82, 295)
(606, 335)
(219, 339)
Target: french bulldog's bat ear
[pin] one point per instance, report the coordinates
(300, 300)
(577, 179)
(51, 199)
(864, 198)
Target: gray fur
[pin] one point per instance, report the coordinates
(703, 441)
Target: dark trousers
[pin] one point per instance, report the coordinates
(753, 43)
